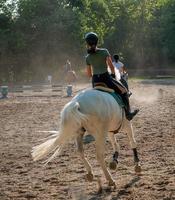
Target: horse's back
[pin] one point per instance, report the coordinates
(98, 103)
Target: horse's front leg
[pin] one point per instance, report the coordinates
(116, 150)
(100, 147)
(134, 147)
(80, 149)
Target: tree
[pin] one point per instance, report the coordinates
(38, 36)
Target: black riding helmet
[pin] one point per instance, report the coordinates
(91, 38)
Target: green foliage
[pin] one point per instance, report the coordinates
(167, 20)
(38, 36)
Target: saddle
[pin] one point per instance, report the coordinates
(104, 88)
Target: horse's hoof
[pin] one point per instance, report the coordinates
(89, 177)
(100, 189)
(112, 184)
(138, 168)
(113, 165)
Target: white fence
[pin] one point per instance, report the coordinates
(37, 88)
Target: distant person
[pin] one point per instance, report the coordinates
(98, 60)
(120, 71)
(67, 67)
(69, 74)
(49, 79)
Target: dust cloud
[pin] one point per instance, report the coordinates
(147, 95)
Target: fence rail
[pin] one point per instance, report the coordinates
(36, 88)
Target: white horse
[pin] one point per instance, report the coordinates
(99, 114)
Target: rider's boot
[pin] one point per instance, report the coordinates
(129, 114)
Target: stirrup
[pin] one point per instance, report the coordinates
(130, 115)
(129, 93)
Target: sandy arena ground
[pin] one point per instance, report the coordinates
(23, 115)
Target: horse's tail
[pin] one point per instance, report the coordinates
(71, 120)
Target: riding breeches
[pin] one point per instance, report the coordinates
(106, 80)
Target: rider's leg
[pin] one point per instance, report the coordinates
(120, 89)
(124, 81)
(129, 114)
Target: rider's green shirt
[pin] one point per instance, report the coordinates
(98, 61)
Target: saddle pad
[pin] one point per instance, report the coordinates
(118, 98)
(103, 88)
(110, 91)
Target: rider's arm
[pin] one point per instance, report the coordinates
(89, 71)
(110, 64)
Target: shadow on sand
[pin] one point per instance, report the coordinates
(123, 191)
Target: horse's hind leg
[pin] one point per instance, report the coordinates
(89, 176)
(116, 149)
(100, 148)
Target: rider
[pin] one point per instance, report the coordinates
(121, 71)
(98, 60)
